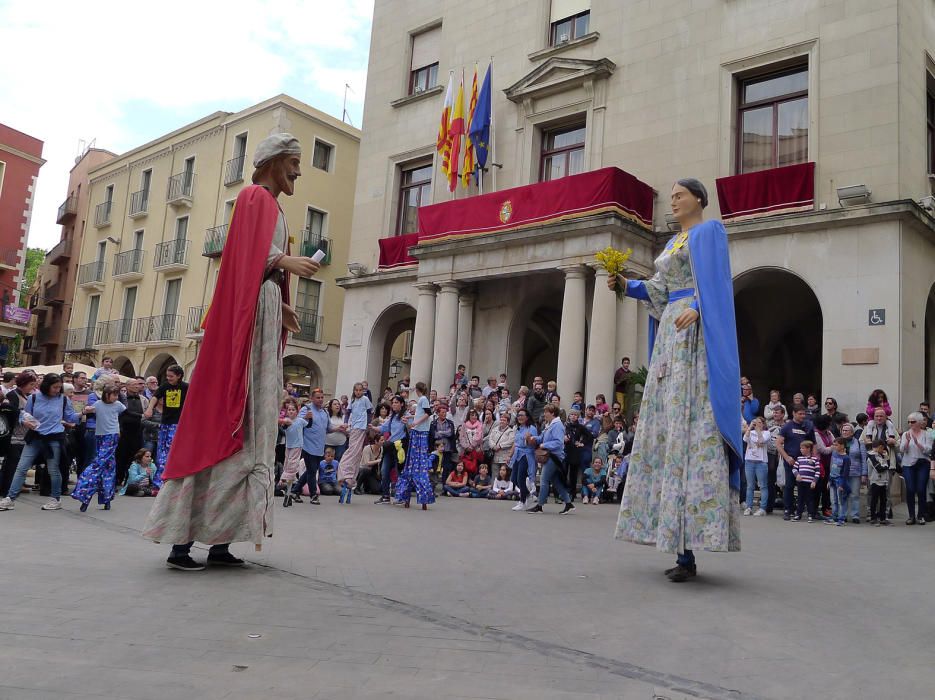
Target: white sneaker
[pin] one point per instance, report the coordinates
(759, 513)
(520, 505)
(748, 512)
(585, 500)
(53, 504)
(6, 503)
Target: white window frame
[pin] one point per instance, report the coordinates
(332, 158)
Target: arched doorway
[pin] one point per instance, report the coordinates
(301, 371)
(532, 348)
(123, 365)
(928, 384)
(159, 364)
(389, 354)
(779, 332)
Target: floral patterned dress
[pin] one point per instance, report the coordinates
(677, 494)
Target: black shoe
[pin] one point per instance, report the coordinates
(568, 508)
(911, 521)
(855, 521)
(184, 563)
(692, 569)
(786, 516)
(224, 559)
(680, 574)
(287, 500)
(297, 498)
(107, 506)
(535, 509)
(83, 508)
(314, 500)
(381, 501)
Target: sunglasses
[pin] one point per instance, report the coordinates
(911, 422)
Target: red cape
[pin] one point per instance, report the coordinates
(211, 426)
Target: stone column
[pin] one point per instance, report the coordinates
(602, 340)
(423, 338)
(465, 330)
(642, 337)
(570, 375)
(627, 331)
(446, 337)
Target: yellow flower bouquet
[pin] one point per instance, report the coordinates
(614, 261)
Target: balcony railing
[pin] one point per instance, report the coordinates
(313, 242)
(68, 210)
(61, 253)
(129, 263)
(311, 324)
(46, 335)
(139, 204)
(181, 188)
(171, 255)
(92, 273)
(215, 238)
(113, 332)
(157, 329)
(102, 214)
(195, 317)
(234, 171)
(9, 258)
(54, 294)
(79, 339)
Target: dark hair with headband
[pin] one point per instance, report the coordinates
(696, 188)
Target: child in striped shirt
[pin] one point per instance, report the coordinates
(806, 471)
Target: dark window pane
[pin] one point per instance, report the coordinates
(432, 77)
(581, 24)
(321, 158)
(775, 86)
(561, 31)
(793, 132)
(756, 146)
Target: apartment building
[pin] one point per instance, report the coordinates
(812, 124)
(157, 224)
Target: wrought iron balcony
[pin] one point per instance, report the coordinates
(215, 238)
(102, 214)
(79, 339)
(313, 242)
(196, 315)
(139, 204)
(233, 172)
(157, 329)
(68, 210)
(54, 294)
(181, 188)
(171, 255)
(311, 324)
(92, 274)
(114, 332)
(128, 265)
(61, 253)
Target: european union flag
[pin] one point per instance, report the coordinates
(480, 124)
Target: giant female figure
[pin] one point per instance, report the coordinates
(682, 490)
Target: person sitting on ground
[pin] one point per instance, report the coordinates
(481, 484)
(592, 485)
(503, 489)
(457, 482)
(328, 474)
(140, 476)
(368, 479)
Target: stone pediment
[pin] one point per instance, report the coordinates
(558, 75)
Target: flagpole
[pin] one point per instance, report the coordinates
(493, 133)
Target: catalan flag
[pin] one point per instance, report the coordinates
(455, 133)
(468, 168)
(443, 143)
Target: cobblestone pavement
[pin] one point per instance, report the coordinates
(468, 600)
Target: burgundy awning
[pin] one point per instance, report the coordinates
(766, 192)
(394, 251)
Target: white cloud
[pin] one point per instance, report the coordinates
(125, 72)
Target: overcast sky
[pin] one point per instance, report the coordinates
(124, 73)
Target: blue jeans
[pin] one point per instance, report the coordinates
(456, 491)
(53, 453)
(854, 501)
(686, 559)
(839, 499)
(757, 474)
(386, 468)
(551, 476)
(916, 477)
(310, 475)
(588, 493)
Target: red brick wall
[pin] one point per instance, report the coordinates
(16, 197)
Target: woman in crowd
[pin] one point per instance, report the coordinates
(552, 441)
(811, 407)
(520, 402)
(755, 463)
(140, 475)
(336, 439)
(460, 414)
(824, 441)
(43, 414)
(915, 445)
(383, 412)
(470, 441)
(490, 420)
(857, 451)
(11, 405)
(877, 399)
(415, 475)
(500, 442)
(100, 475)
(682, 488)
(367, 479)
(394, 430)
(593, 482)
(442, 431)
(523, 457)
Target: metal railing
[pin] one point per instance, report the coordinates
(54, 293)
(68, 209)
(102, 213)
(61, 252)
(92, 272)
(155, 329)
(311, 324)
(180, 186)
(116, 331)
(234, 170)
(171, 253)
(79, 339)
(195, 317)
(129, 262)
(139, 203)
(215, 238)
(312, 242)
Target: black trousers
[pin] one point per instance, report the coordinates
(11, 457)
(878, 501)
(131, 440)
(310, 476)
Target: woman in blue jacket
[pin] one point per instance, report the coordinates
(552, 440)
(523, 460)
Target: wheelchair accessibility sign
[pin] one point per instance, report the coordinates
(877, 317)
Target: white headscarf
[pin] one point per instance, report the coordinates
(275, 145)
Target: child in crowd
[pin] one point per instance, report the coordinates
(100, 475)
(140, 477)
(457, 482)
(592, 487)
(328, 474)
(600, 405)
(503, 488)
(806, 471)
(482, 483)
(879, 470)
(839, 481)
(358, 419)
(577, 403)
(292, 463)
(506, 402)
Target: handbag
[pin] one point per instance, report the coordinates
(542, 455)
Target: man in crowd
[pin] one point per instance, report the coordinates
(749, 404)
(924, 410)
(152, 384)
(490, 388)
(622, 378)
(131, 427)
(171, 397)
(313, 442)
(535, 403)
(788, 442)
(837, 418)
(461, 376)
(474, 389)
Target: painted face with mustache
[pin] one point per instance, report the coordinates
(285, 171)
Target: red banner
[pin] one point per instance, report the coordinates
(775, 191)
(394, 251)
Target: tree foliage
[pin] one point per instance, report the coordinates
(34, 258)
